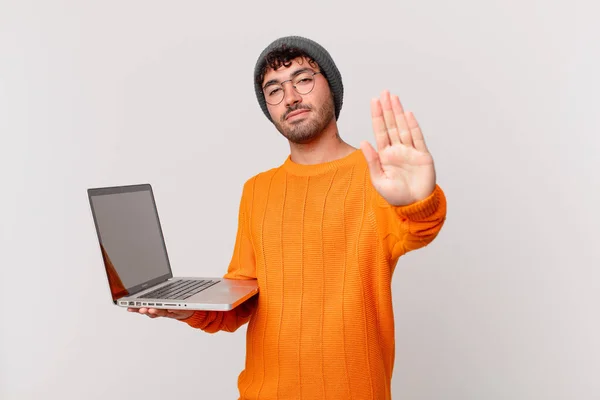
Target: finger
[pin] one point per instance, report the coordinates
(416, 133)
(405, 136)
(389, 118)
(379, 129)
(373, 160)
(159, 312)
(177, 314)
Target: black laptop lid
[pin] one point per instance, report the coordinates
(130, 238)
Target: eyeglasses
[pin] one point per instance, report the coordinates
(304, 83)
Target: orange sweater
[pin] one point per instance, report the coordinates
(323, 245)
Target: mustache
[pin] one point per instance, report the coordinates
(292, 109)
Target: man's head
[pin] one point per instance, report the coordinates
(298, 87)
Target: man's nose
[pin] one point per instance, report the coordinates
(291, 97)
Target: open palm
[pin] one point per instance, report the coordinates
(401, 169)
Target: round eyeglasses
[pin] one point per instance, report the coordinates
(303, 83)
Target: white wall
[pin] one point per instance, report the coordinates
(503, 305)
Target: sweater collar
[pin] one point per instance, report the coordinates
(321, 168)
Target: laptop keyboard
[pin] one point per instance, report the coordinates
(179, 290)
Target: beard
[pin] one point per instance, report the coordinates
(308, 128)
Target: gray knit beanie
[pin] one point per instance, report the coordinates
(317, 53)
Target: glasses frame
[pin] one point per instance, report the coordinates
(294, 86)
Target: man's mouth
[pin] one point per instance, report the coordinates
(297, 112)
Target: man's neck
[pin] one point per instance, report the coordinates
(328, 146)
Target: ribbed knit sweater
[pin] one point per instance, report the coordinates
(323, 245)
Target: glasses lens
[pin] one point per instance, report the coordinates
(273, 94)
(304, 83)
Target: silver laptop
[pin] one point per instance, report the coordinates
(136, 262)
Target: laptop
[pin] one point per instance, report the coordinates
(136, 261)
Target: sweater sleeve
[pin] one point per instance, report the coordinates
(407, 228)
(241, 266)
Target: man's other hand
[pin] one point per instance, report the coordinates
(156, 312)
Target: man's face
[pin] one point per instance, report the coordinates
(300, 117)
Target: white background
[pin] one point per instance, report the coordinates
(502, 305)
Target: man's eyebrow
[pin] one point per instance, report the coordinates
(292, 76)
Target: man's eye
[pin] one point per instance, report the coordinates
(273, 92)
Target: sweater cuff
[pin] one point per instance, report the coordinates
(423, 209)
(197, 319)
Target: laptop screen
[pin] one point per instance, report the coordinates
(130, 238)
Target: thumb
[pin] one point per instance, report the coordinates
(372, 158)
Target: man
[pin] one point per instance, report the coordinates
(322, 233)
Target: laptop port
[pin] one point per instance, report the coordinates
(131, 303)
(150, 304)
(159, 304)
